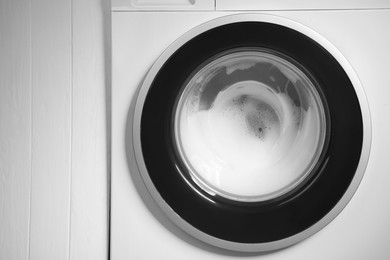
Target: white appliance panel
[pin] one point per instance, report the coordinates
(361, 229)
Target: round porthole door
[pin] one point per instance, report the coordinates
(251, 132)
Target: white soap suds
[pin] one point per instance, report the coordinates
(251, 142)
(239, 66)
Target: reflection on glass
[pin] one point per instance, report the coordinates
(249, 125)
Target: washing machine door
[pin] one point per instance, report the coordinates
(251, 132)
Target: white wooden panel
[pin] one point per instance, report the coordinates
(15, 128)
(299, 4)
(91, 83)
(51, 123)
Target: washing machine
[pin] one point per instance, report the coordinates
(250, 129)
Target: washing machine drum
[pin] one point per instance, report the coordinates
(249, 135)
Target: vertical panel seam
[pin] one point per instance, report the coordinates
(71, 130)
(31, 133)
(108, 98)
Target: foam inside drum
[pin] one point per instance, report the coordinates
(249, 125)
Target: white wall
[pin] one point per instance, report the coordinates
(54, 129)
